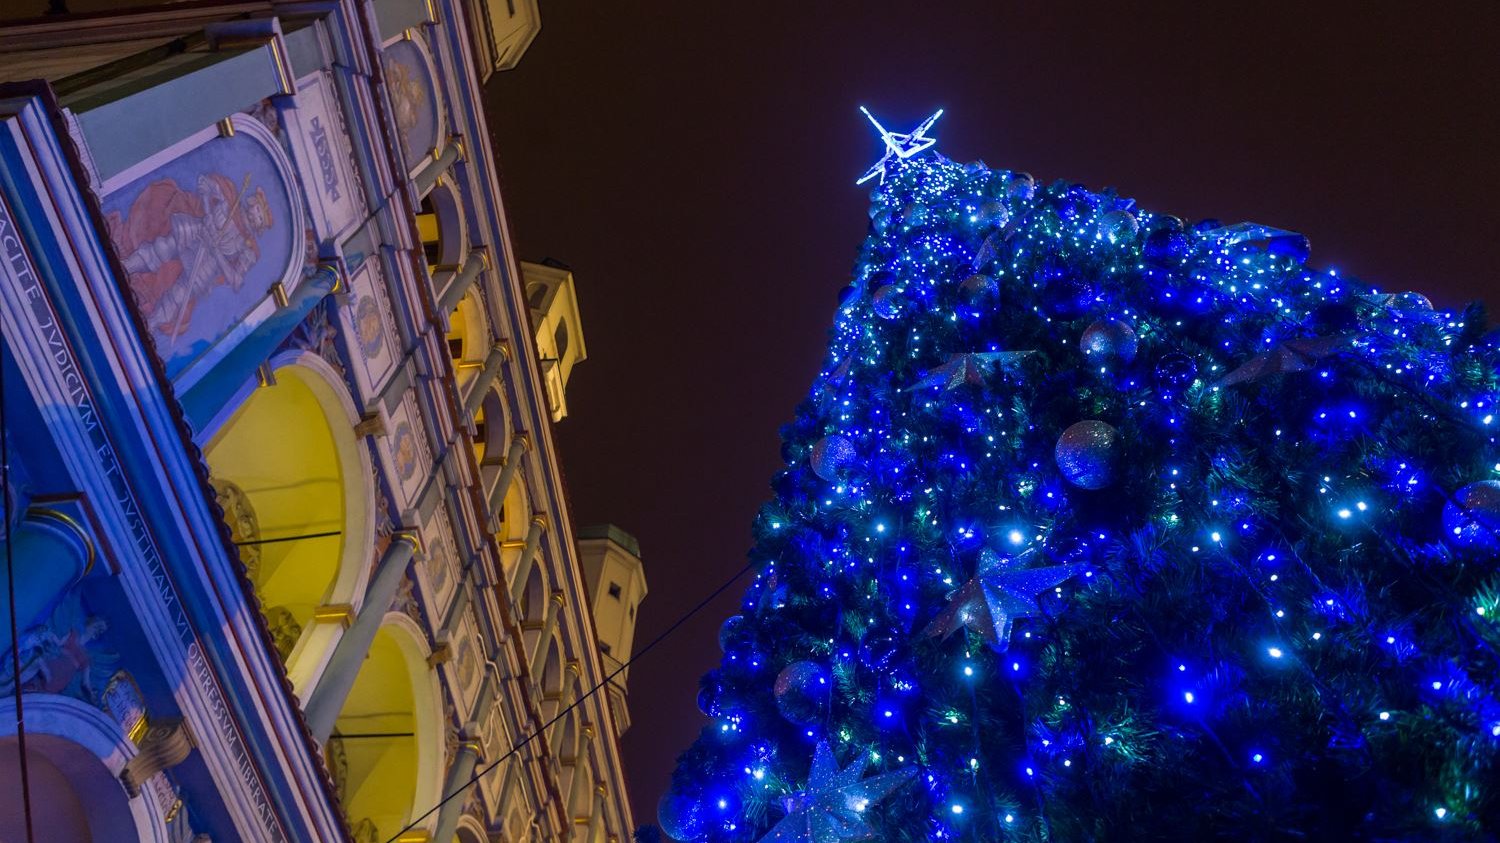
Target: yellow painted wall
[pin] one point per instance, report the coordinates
(278, 448)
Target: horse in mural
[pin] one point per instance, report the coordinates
(178, 244)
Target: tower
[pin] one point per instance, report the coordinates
(616, 582)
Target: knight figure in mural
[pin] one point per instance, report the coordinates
(177, 244)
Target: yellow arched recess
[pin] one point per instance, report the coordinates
(286, 469)
(385, 742)
(430, 233)
(468, 340)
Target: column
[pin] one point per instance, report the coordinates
(581, 784)
(459, 773)
(454, 284)
(528, 553)
(327, 699)
(519, 444)
(569, 696)
(596, 819)
(439, 165)
(499, 353)
(52, 553)
(549, 626)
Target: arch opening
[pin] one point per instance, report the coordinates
(288, 472)
(467, 338)
(383, 753)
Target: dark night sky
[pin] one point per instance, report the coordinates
(694, 163)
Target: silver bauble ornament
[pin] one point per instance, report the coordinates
(978, 287)
(992, 213)
(802, 691)
(1088, 454)
(887, 302)
(832, 457)
(1109, 340)
(1118, 226)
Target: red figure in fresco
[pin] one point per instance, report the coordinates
(177, 245)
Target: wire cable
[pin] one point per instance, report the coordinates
(10, 589)
(474, 779)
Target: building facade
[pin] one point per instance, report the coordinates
(288, 553)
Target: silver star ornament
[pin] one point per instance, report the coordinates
(832, 808)
(971, 368)
(990, 602)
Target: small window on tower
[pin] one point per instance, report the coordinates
(603, 648)
(632, 612)
(560, 339)
(614, 590)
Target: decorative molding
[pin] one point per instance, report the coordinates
(167, 744)
(371, 423)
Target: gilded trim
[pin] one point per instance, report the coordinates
(341, 613)
(90, 554)
(409, 536)
(139, 730)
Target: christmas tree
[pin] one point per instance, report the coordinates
(1100, 525)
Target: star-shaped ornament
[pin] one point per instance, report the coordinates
(899, 146)
(972, 367)
(1296, 355)
(832, 808)
(996, 595)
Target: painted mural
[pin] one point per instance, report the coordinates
(66, 654)
(203, 237)
(408, 78)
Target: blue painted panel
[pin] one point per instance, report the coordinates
(203, 238)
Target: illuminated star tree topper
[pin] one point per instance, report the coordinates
(898, 145)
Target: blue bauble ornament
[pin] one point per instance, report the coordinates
(1069, 296)
(710, 691)
(1088, 454)
(1292, 246)
(1109, 341)
(734, 632)
(832, 457)
(978, 288)
(802, 692)
(1117, 226)
(1472, 518)
(991, 214)
(1020, 186)
(887, 302)
(1165, 246)
(680, 816)
(1175, 371)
